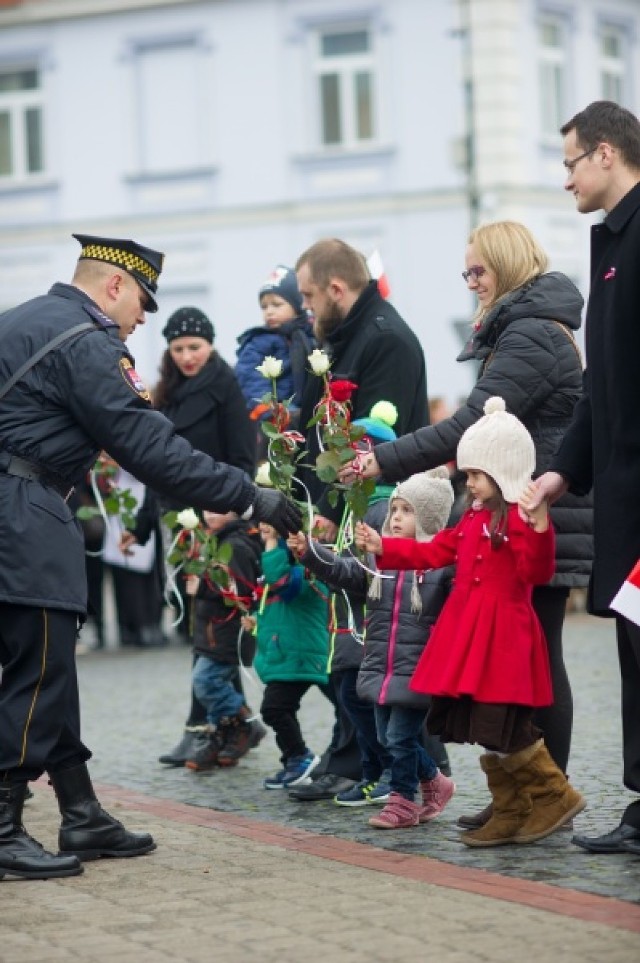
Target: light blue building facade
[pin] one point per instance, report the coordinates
(233, 133)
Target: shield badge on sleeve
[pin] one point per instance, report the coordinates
(133, 379)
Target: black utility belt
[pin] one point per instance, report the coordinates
(22, 468)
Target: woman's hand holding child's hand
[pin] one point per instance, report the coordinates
(537, 517)
(367, 539)
(248, 622)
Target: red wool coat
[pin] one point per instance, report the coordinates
(487, 642)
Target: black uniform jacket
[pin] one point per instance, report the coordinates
(601, 449)
(80, 398)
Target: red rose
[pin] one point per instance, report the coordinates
(341, 390)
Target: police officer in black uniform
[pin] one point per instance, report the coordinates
(68, 389)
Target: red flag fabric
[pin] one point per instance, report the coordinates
(627, 601)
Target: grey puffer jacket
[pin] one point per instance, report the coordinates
(529, 358)
(346, 610)
(395, 635)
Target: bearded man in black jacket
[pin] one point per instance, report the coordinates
(368, 343)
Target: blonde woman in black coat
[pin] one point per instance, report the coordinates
(523, 339)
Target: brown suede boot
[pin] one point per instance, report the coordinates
(554, 800)
(236, 737)
(511, 807)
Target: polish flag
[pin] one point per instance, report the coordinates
(376, 270)
(627, 601)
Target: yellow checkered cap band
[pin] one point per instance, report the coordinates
(131, 262)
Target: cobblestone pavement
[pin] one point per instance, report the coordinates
(134, 705)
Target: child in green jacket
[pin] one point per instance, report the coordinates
(292, 653)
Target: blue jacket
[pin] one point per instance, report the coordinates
(291, 343)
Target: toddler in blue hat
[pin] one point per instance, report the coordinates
(286, 334)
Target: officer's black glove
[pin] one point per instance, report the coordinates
(273, 508)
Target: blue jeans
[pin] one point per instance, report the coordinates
(213, 686)
(375, 758)
(400, 731)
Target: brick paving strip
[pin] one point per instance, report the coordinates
(542, 896)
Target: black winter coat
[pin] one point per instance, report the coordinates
(601, 449)
(370, 348)
(530, 359)
(217, 626)
(210, 412)
(80, 398)
(395, 636)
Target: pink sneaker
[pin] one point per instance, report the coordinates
(399, 813)
(436, 793)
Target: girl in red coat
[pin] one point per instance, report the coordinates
(486, 665)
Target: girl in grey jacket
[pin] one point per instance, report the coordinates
(402, 608)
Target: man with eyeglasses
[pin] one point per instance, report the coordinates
(601, 448)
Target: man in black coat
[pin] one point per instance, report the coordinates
(68, 389)
(370, 345)
(600, 448)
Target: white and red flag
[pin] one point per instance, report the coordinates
(627, 601)
(377, 272)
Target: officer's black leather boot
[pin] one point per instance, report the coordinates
(87, 830)
(20, 855)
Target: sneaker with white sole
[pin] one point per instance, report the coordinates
(363, 793)
(380, 794)
(358, 795)
(275, 782)
(436, 793)
(298, 770)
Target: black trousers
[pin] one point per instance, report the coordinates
(39, 704)
(279, 710)
(628, 634)
(556, 721)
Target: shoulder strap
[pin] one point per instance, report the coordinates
(49, 346)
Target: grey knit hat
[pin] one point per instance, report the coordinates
(430, 494)
(499, 445)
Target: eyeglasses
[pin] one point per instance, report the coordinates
(474, 272)
(570, 165)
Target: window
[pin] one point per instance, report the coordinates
(21, 141)
(612, 64)
(552, 67)
(171, 115)
(346, 84)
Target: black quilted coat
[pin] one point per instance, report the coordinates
(527, 356)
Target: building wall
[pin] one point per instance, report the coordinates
(192, 127)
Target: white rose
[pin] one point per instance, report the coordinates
(319, 362)
(263, 476)
(188, 519)
(270, 367)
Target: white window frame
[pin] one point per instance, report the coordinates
(16, 103)
(612, 69)
(553, 76)
(346, 67)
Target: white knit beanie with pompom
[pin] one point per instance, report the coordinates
(500, 446)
